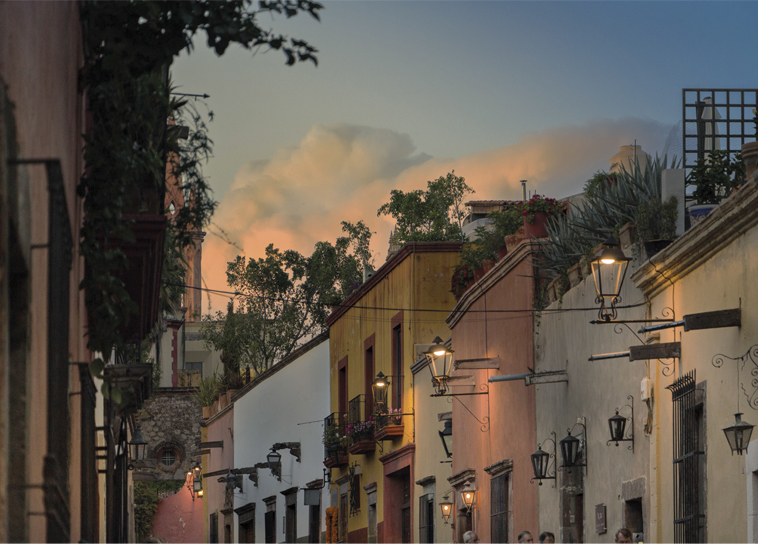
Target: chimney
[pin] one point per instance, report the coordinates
(523, 189)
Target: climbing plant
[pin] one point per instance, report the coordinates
(128, 47)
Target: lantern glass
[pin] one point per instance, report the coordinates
(608, 272)
(617, 425)
(738, 435)
(570, 450)
(138, 446)
(447, 508)
(197, 485)
(379, 388)
(540, 461)
(468, 494)
(440, 364)
(273, 458)
(446, 436)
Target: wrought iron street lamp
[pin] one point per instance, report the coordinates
(468, 494)
(738, 434)
(617, 425)
(608, 271)
(137, 446)
(197, 485)
(446, 435)
(541, 462)
(273, 459)
(379, 388)
(447, 508)
(440, 360)
(572, 447)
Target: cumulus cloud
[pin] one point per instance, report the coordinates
(342, 172)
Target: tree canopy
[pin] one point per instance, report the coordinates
(434, 215)
(282, 299)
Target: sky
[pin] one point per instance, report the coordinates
(406, 91)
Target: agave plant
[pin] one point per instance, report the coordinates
(602, 214)
(208, 391)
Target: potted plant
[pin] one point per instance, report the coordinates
(361, 436)
(656, 224)
(714, 178)
(536, 213)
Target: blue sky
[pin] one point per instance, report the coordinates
(405, 91)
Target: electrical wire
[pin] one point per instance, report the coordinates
(396, 309)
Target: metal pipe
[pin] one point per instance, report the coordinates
(523, 189)
(671, 325)
(602, 356)
(509, 377)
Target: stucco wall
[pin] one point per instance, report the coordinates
(287, 406)
(219, 428)
(40, 54)
(179, 518)
(565, 340)
(717, 281)
(497, 323)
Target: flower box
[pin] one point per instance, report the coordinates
(364, 446)
(390, 432)
(336, 460)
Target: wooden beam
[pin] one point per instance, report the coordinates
(491, 362)
(216, 444)
(200, 452)
(666, 350)
(713, 320)
(539, 378)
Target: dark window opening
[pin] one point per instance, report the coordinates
(269, 521)
(368, 373)
(499, 508)
(426, 518)
(397, 365)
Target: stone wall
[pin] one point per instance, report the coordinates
(170, 421)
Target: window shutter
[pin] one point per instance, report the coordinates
(499, 508)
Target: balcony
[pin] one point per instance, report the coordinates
(360, 429)
(389, 424)
(335, 441)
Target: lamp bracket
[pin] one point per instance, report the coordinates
(751, 393)
(552, 457)
(629, 433)
(582, 422)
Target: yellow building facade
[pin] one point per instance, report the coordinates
(385, 484)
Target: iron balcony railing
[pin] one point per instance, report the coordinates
(360, 427)
(335, 436)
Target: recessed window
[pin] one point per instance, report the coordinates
(168, 458)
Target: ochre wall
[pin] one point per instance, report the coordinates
(417, 278)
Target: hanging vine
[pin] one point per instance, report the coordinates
(128, 47)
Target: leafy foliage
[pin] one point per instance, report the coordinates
(283, 299)
(716, 176)
(491, 238)
(656, 220)
(602, 214)
(433, 215)
(128, 47)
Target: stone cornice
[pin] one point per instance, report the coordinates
(733, 218)
(500, 270)
(462, 477)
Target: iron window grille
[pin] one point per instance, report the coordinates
(688, 517)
